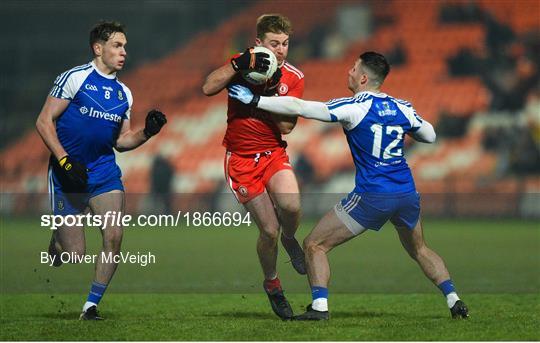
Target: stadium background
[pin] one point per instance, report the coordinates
(470, 67)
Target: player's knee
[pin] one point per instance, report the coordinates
(291, 207)
(310, 245)
(415, 252)
(113, 240)
(270, 234)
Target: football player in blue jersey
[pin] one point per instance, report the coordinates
(375, 125)
(85, 116)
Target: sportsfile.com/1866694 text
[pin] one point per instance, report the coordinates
(181, 219)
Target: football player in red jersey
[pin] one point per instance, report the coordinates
(257, 167)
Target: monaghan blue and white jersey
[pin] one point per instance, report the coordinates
(90, 125)
(375, 125)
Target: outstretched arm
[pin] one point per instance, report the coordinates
(284, 105)
(294, 107)
(287, 123)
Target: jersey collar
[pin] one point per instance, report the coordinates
(379, 95)
(107, 76)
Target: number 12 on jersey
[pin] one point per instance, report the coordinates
(377, 130)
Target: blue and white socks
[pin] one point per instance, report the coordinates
(320, 295)
(95, 295)
(448, 290)
(320, 298)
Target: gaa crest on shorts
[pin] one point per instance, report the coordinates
(243, 191)
(283, 89)
(60, 204)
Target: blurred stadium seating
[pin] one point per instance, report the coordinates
(192, 139)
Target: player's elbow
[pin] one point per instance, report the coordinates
(431, 137)
(208, 90)
(286, 127)
(40, 125)
(285, 130)
(121, 147)
(426, 133)
(434, 138)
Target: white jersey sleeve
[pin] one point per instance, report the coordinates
(291, 106)
(348, 111)
(421, 130)
(425, 133)
(410, 113)
(68, 83)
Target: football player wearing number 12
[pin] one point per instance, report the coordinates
(85, 116)
(257, 167)
(375, 124)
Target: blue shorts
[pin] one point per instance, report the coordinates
(372, 210)
(65, 200)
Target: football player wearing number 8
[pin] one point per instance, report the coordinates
(257, 166)
(375, 125)
(85, 116)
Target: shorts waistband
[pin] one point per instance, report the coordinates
(385, 195)
(254, 155)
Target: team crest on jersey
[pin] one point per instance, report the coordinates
(283, 89)
(385, 110)
(243, 191)
(120, 95)
(60, 205)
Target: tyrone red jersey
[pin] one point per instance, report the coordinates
(251, 130)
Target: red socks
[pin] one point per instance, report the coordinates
(269, 285)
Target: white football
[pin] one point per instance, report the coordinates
(258, 78)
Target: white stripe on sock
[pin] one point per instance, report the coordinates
(320, 304)
(87, 305)
(451, 299)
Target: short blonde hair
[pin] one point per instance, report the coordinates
(275, 23)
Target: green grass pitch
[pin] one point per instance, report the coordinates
(206, 285)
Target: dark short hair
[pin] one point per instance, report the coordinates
(377, 64)
(103, 31)
(275, 23)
